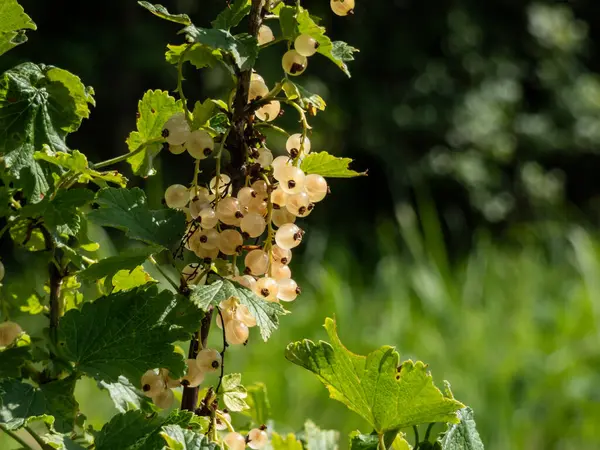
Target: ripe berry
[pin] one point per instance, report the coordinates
(235, 441)
(230, 242)
(245, 280)
(208, 239)
(288, 290)
(245, 195)
(176, 130)
(282, 216)
(208, 218)
(152, 384)
(280, 271)
(298, 204)
(228, 211)
(294, 63)
(291, 180)
(306, 45)
(316, 187)
(342, 7)
(199, 144)
(194, 376)
(266, 288)
(258, 89)
(257, 261)
(265, 35)
(280, 255)
(236, 332)
(177, 149)
(288, 236)
(257, 438)
(269, 112)
(164, 399)
(177, 196)
(296, 142)
(265, 157)
(209, 360)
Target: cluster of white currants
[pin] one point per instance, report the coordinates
(9, 332)
(158, 385)
(198, 143)
(236, 319)
(256, 439)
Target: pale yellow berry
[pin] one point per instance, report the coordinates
(294, 63)
(265, 35)
(342, 7)
(306, 45)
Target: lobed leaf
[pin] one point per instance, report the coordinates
(178, 438)
(124, 280)
(388, 395)
(266, 313)
(126, 210)
(13, 23)
(289, 443)
(126, 396)
(161, 11)
(231, 16)
(128, 333)
(198, 55)
(463, 435)
(234, 394)
(395, 441)
(329, 166)
(12, 359)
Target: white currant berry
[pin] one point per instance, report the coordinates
(280, 255)
(288, 290)
(209, 360)
(191, 273)
(177, 196)
(280, 271)
(208, 218)
(265, 157)
(243, 314)
(282, 216)
(2, 271)
(289, 236)
(257, 438)
(194, 376)
(245, 280)
(342, 7)
(246, 195)
(236, 332)
(177, 149)
(269, 112)
(208, 239)
(279, 198)
(298, 204)
(229, 212)
(265, 35)
(200, 144)
(220, 425)
(170, 382)
(230, 242)
(279, 163)
(291, 180)
(316, 187)
(235, 441)
(257, 261)
(266, 288)
(257, 90)
(258, 206)
(294, 63)
(197, 205)
(256, 76)
(306, 45)
(260, 186)
(176, 130)
(253, 224)
(224, 185)
(164, 399)
(152, 383)
(296, 145)
(9, 331)
(199, 192)
(205, 253)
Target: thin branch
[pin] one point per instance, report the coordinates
(225, 345)
(56, 277)
(382, 442)
(16, 437)
(38, 439)
(126, 156)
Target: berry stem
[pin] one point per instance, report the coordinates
(126, 156)
(223, 419)
(218, 167)
(270, 232)
(305, 126)
(222, 352)
(163, 273)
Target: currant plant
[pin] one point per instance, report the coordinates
(229, 230)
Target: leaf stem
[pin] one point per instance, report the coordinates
(270, 232)
(428, 432)
(140, 148)
(16, 437)
(416, 431)
(382, 442)
(38, 439)
(163, 273)
(223, 419)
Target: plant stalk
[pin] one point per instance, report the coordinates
(16, 437)
(189, 400)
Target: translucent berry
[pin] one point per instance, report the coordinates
(269, 112)
(243, 315)
(152, 383)
(246, 195)
(164, 399)
(229, 212)
(266, 288)
(257, 438)
(295, 145)
(235, 441)
(316, 187)
(298, 204)
(342, 7)
(265, 157)
(200, 144)
(197, 205)
(209, 360)
(280, 255)
(258, 206)
(176, 130)
(288, 236)
(208, 239)
(221, 424)
(194, 376)
(294, 63)
(230, 242)
(256, 76)
(279, 198)
(280, 271)
(257, 89)
(170, 382)
(208, 218)
(257, 261)
(177, 149)
(306, 45)
(260, 186)
(236, 332)
(253, 224)
(177, 196)
(206, 253)
(245, 280)
(288, 290)
(291, 180)
(282, 216)
(279, 163)
(265, 35)
(224, 184)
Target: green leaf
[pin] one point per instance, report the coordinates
(307, 100)
(463, 435)
(22, 402)
(126, 396)
(126, 210)
(289, 443)
(128, 259)
(204, 112)
(13, 23)
(266, 313)
(61, 442)
(360, 441)
(128, 333)
(242, 47)
(178, 438)
(234, 394)
(258, 401)
(134, 430)
(38, 105)
(12, 359)
(161, 11)
(231, 16)
(287, 22)
(329, 166)
(124, 280)
(317, 439)
(154, 109)
(387, 395)
(198, 55)
(77, 163)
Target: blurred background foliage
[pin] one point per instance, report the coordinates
(472, 245)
